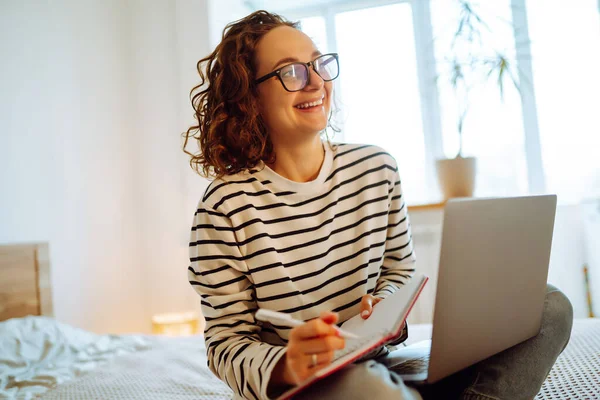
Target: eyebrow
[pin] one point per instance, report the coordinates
(315, 53)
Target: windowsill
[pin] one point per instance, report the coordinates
(427, 206)
(439, 205)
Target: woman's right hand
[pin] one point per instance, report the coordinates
(319, 337)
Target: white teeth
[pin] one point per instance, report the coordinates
(311, 104)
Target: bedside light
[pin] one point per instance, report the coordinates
(176, 324)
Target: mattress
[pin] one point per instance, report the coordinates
(576, 373)
(43, 358)
(173, 368)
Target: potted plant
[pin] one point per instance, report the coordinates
(469, 63)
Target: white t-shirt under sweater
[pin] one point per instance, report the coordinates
(260, 240)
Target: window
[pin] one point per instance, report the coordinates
(378, 90)
(315, 28)
(565, 46)
(493, 127)
(546, 140)
(379, 87)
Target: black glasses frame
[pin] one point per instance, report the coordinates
(277, 72)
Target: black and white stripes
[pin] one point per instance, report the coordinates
(261, 241)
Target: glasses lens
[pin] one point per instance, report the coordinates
(294, 76)
(327, 67)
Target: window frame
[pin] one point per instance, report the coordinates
(428, 90)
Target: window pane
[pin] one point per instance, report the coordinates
(493, 128)
(379, 88)
(565, 45)
(315, 28)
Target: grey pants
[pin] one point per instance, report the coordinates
(516, 373)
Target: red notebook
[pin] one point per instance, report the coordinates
(384, 325)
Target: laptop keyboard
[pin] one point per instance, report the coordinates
(413, 366)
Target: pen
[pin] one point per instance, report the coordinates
(276, 317)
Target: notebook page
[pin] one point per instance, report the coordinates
(388, 314)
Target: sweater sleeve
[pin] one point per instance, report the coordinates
(219, 274)
(399, 258)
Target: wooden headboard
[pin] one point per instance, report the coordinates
(25, 280)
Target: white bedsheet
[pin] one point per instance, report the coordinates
(39, 353)
(174, 369)
(42, 358)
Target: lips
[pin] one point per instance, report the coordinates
(310, 103)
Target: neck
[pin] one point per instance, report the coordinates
(299, 162)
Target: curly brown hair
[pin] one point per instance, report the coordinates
(230, 133)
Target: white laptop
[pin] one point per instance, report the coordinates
(491, 283)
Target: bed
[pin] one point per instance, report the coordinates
(41, 357)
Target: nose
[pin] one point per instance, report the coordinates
(315, 82)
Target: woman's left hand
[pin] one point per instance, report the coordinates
(366, 305)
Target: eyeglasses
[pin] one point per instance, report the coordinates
(296, 76)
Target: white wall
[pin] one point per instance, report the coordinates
(94, 98)
(568, 256)
(591, 223)
(573, 245)
(156, 89)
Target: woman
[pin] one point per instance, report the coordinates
(295, 224)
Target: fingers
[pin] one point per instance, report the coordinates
(366, 305)
(329, 317)
(300, 368)
(312, 345)
(316, 328)
(322, 344)
(323, 359)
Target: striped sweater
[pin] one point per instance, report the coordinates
(260, 240)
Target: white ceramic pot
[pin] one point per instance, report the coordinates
(456, 176)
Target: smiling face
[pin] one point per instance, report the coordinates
(291, 115)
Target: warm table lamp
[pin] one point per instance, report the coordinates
(176, 324)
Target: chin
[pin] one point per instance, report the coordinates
(316, 128)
